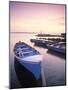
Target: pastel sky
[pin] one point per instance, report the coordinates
(34, 17)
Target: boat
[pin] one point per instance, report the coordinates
(41, 42)
(27, 65)
(32, 40)
(58, 47)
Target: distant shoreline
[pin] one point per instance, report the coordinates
(34, 33)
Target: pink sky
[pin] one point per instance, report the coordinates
(34, 17)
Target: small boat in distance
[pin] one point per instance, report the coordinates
(27, 65)
(58, 47)
(41, 42)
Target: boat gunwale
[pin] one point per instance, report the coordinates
(22, 59)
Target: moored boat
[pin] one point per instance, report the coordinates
(27, 65)
(41, 42)
(57, 47)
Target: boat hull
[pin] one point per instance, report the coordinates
(40, 43)
(26, 74)
(57, 50)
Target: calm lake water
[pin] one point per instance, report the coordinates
(53, 65)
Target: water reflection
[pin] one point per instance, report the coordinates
(56, 54)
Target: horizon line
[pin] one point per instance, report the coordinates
(26, 32)
(36, 33)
